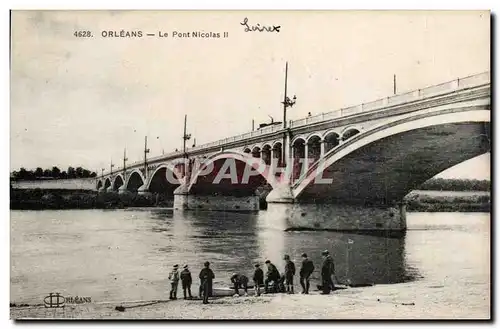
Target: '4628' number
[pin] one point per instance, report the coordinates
(83, 34)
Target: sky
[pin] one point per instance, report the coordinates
(81, 101)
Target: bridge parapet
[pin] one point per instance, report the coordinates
(392, 102)
(414, 95)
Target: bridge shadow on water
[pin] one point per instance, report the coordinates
(235, 241)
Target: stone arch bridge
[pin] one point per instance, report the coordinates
(345, 169)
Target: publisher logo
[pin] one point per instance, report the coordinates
(56, 300)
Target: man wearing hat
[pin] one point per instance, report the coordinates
(258, 279)
(271, 275)
(327, 270)
(174, 281)
(206, 276)
(289, 273)
(306, 270)
(186, 280)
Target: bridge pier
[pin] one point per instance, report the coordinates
(110, 190)
(122, 190)
(281, 205)
(143, 190)
(185, 201)
(347, 218)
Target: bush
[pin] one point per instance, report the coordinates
(469, 203)
(441, 184)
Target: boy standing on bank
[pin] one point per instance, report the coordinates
(186, 280)
(289, 273)
(258, 279)
(174, 282)
(306, 270)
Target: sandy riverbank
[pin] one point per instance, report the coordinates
(400, 301)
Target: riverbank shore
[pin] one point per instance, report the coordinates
(37, 199)
(414, 300)
(443, 202)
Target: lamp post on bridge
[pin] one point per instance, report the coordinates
(124, 162)
(146, 151)
(185, 137)
(111, 166)
(287, 102)
(102, 172)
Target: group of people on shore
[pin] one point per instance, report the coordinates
(206, 279)
(272, 281)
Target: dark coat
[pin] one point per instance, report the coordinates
(186, 276)
(328, 267)
(307, 268)
(239, 278)
(258, 276)
(207, 276)
(272, 272)
(289, 269)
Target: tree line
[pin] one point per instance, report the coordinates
(442, 184)
(54, 173)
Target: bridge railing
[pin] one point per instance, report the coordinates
(373, 105)
(434, 90)
(438, 89)
(474, 80)
(401, 98)
(442, 88)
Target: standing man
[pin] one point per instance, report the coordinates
(174, 282)
(206, 276)
(240, 281)
(186, 280)
(289, 273)
(258, 279)
(306, 270)
(272, 275)
(327, 270)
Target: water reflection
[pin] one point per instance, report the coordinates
(361, 259)
(234, 242)
(126, 255)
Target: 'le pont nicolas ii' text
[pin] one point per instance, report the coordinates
(194, 34)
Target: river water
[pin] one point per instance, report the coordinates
(126, 255)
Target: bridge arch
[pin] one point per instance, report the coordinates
(266, 153)
(247, 150)
(349, 132)
(296, 138)
(364, 169)
(207, 180)
(99, 184)
(134, 180)
(256, 151)
(107, 183)
(277, 149)
(332, 139)
(318, 135)
(117, 182)
(314, 148)
(278, 141)
(298, 147)
(164, 180)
